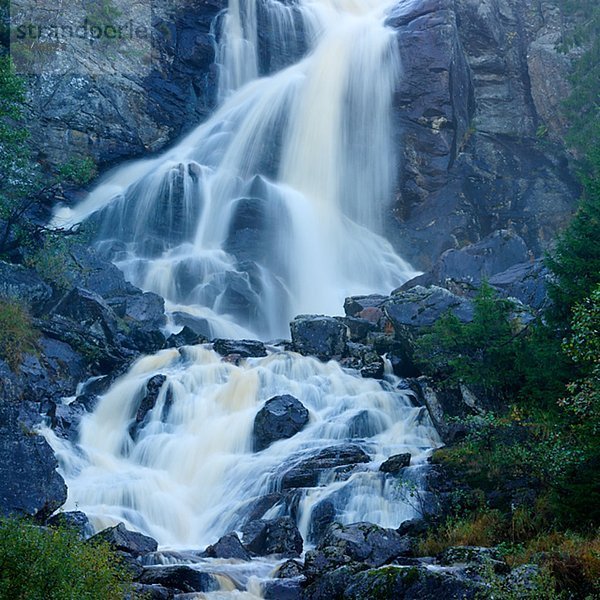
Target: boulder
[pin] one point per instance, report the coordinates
(181, 577)
(281, 417)
(29, 482)
(149, 592)
(394, 464)
(477, 262)
(417, 308)
(290, 569)
(282, 589)
(320, 336)
(243, 348)
(199, 327)
(129, 542)
(321, 517)
(229, 546)
(186, 337)
(365, 543)
(24, 286)
(412, 583)
(65, 419)
(527, 282)
(357, 304)
(275, 536)
(74, 520)
(306, 472)
(148, 401)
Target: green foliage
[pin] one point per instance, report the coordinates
(78, 170)
(481, 353)
(52, 260)
(19, 175)
(17, 334)
(575, 263)
(53, 564)
(583, 347)
(583, 105)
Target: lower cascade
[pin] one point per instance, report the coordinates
(270, 209)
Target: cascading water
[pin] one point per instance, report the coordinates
(269, 209)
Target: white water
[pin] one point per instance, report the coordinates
(303, 156)
(306, 153)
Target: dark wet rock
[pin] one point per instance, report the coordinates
(319, 562)
(365, 424)
(129, 542)
(229, 546)
(445, 405)
(420, 307)
(366, 543)
(321, 517)
(320, 336)
(186, 337)
(527, 282)
(413, 527)
(394, 464)
(181, 578)
(200, 327)
(275, 536)
(282, 589)
(281, 417)
(290, 569)
(243, 348)
(358, 328)
(65, 419)
(476, 262)
(460, 555)
(306, 472)
(24, 286)
(149, 592)
(90, 311)
(29, 482)
(148, 402)
(259, 506)
(51, 373)
(410, 583)
(467, 109)
(357, 304)
(75, 521)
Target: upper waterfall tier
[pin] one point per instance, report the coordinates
(273, 207)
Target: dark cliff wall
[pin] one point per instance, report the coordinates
(479, 125)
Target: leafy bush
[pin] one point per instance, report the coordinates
(481, 353)
(17, 334)
(53, 564)
(78, 170)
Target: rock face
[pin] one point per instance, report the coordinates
(469, 108)
(181, 578)
(306, 472)
(141, 100)
(29, 483)
(130, 542)
(281, 417)
(394, 464)
(274, 536)
(320, 336)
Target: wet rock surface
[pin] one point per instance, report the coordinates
(29, 482)
(320, 336)
(280, 418)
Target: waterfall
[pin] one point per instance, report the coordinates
(271, 208)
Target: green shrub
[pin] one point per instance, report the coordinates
(53, 564)
(78, 170)
(17, 334)
(481, 353)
